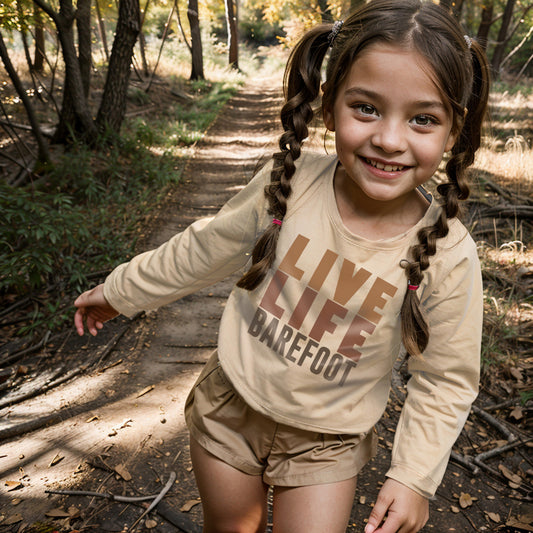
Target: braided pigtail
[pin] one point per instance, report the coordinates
(302, 82)
(415, 331)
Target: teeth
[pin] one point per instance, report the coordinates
(381, 166)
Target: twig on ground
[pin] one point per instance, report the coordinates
(106, 495)
(494, 422)
(159, 497)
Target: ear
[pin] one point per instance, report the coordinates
(329, 120)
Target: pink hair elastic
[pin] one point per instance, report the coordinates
(412, 287)
(276, 221)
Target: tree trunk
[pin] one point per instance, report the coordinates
(197, 68)
(486, 22)
(458, 8)
(83, 23)
(24, 34)
(101, 29)
(233, 43)
(40, 51)
(325, 11)
(43, 153)
(75, 116)
(113, 105)
(142, 42)
(503, 37)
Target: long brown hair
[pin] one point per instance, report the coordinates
(462, 75)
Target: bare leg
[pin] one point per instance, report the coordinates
(314, 508)
(232, 501)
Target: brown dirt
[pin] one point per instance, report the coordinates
(129, 412)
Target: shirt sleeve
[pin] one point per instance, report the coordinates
(444, 383)
(209, 250)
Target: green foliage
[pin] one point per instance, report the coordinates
(85, 216)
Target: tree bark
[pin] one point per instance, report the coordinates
(486, 22)
(40, 50)
(325, 11)
(75, 116)
(233, 43)
(24, 34)
(43, 153)
(83, 23)
(113, 105)
(503, 36)
(142, 41)
(197, 60)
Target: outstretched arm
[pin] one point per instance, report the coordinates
(406, 511)
(93, 309)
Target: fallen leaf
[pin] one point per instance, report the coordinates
(57, 513)
(122, 472)
(150, 524)
(187, 506)
(12, 519)
(465, 500)
(495, 517)
(57, 459)
(455, 509)
(145, 391)
(13, 485)
(520, 522)
(516, 373)
(512, 477)
(517, 413)
(73, 512)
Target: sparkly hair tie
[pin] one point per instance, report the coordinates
(412, 287)
(468, 41)
(334, 32)
(276, 221)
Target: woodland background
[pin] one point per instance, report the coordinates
(101, 104)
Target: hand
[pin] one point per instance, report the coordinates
(93, 309)
(406, 510)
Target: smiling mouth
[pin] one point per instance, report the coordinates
(383, 166)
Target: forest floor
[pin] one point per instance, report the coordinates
(118, 427)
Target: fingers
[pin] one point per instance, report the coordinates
(378, 513)
(93, 310)
(78, 321)
(404, 509)
(93, 325)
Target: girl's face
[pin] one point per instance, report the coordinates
(391, 124)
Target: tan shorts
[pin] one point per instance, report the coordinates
(223, 424)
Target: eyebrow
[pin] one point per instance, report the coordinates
(360, 91)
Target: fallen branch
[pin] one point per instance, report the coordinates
(106, 495)
(45, 388)
(176, 518)
(159, 497)
(524, 212)
(494, 422)
(475, 463)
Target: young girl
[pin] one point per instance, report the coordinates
(351, 260)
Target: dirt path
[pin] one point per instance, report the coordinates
(126, 419)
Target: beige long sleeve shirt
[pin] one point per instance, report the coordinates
(314, 345)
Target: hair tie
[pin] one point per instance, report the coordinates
(276, 221)
(412, 287)
(334, 32)
(468, 41)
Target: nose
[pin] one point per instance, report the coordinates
(390, 136)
